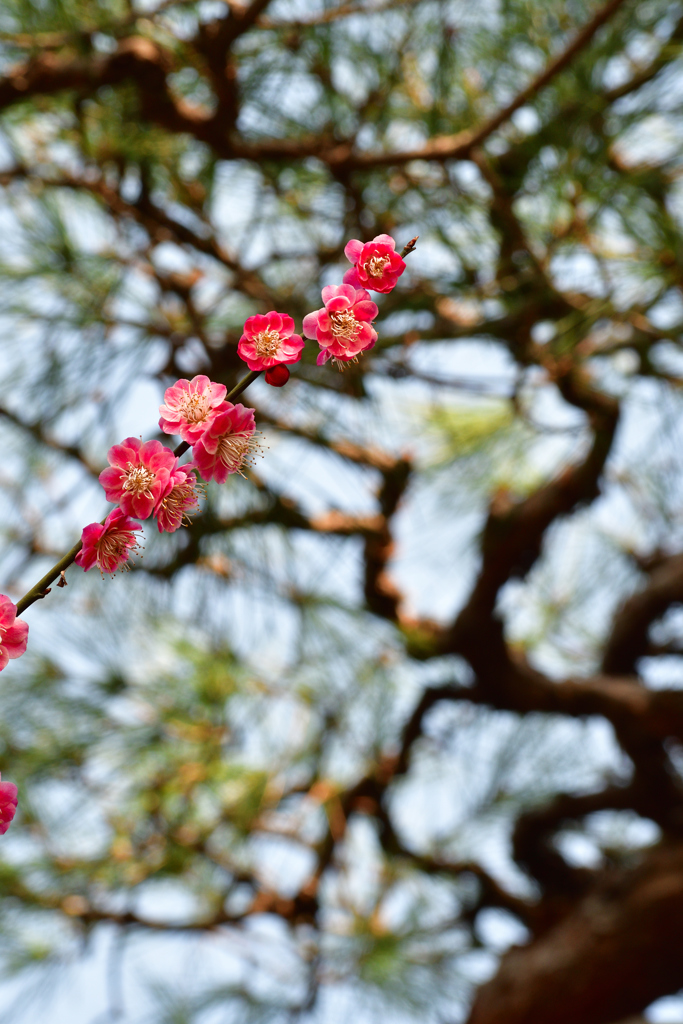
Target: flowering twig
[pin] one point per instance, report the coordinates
(379, 265)
(41, 589)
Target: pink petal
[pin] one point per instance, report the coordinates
(310, 326)
(339, 302)
(352, 250)
(8, 612)
(365, 310)
(287, 328)
(351, 277)
(366, 334)
(385, 240)
(332, 290)
(274, 321)
(255, 324)
(4, 657)
(15, 639)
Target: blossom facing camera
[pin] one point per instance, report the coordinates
(189, 406)
(8, 805)
(277, 376)
(180, 501)
(13, 633)
(269, 340)
(342, 328)
(227, 444)
(138, 475)
(376, 264)
(108, 545)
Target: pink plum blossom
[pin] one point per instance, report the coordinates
(179, 501)
(13, 633)
(376, 264)
(226, 444)
(189, 407)
(109, 544)
(138, 475)
(268, 340)
(342, 328)
(8, 805)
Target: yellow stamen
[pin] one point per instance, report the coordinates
(376, 265)
(344, 325)
(237, 450)
(139, 479)
(267, 343)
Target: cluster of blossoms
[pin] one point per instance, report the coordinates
(145, 480)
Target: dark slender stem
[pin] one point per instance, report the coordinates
(409, 247)
(41, 587)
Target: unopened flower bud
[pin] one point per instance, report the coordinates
(277, 376)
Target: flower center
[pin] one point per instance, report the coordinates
(181, 502)
(139, 479)
(114, 545)
(234, 450)
(344, 325)
(376, 265)
(267, 343)
(194, 408)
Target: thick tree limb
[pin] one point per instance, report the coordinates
(617, 951)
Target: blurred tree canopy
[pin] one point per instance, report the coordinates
(396, 726)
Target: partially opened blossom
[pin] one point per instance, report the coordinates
(189, 406)
(180, 501)
(8, 805)
(13, 633)
(268, 340)
(342, 328)
(138, 476)
(227, 443)
(108, 545)
(376, 264)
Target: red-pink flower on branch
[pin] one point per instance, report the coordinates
(180, 501)
(8, 805)
(138, 476)
(189, 407)
(268, 340)
(227, 444)
(13, 633)
(108, 545)
(376, 264)
(342, 328)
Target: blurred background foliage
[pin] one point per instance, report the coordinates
(224, 815)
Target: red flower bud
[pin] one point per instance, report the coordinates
(277, 376)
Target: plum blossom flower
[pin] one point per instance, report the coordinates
(189, 407)
(108, 545)
(8, 805)
(227, 444)
(138, 475)
(342, 328)
(268, 340)
(180, 500)
(13, 633)
(376, 264)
